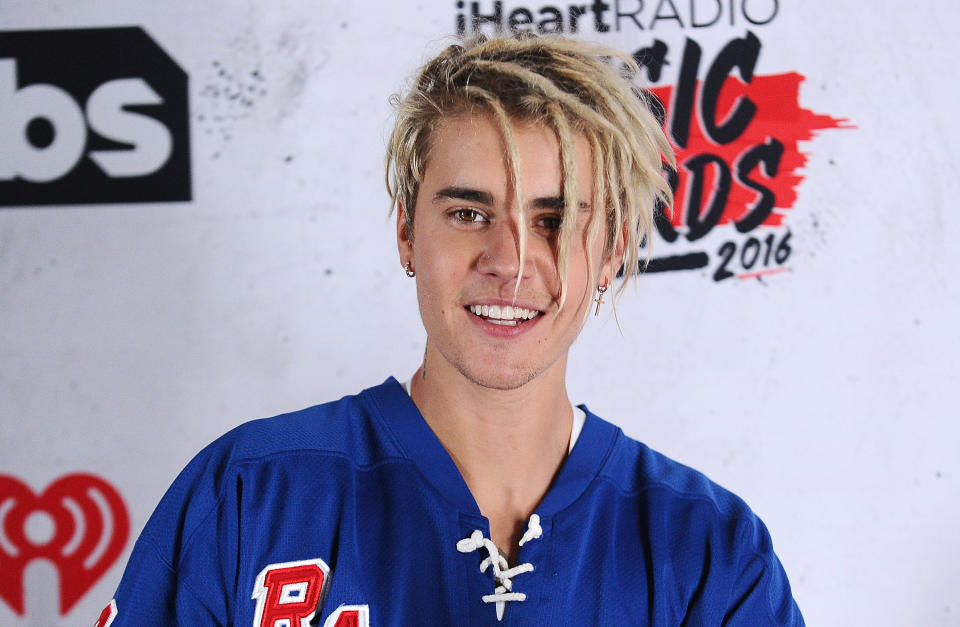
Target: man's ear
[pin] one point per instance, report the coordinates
(612, 266)
(404, 237)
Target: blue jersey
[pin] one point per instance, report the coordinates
(352, 514)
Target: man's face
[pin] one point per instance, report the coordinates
(465, 250)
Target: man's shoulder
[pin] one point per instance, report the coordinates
(681, 507)
(351, 427)
(341, 436)
(718, 550)
(638, 470)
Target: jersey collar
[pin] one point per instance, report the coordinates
(419, 444)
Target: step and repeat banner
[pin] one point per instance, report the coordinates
(194, 233)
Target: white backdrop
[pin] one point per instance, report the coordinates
(133, 334)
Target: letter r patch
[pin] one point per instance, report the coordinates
(349, 616)
(107, 615)
(289, 594)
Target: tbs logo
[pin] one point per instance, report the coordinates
(91, 116)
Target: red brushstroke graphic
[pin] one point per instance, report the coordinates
(760, 273)
(778, 116)
(90, 527)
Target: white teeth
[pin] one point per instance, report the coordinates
(505, 314)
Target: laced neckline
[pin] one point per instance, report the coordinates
(502, 573)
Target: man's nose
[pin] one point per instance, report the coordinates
(501, 251)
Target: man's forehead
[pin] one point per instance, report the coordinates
(470, 151)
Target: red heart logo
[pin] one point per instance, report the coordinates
(90, 528)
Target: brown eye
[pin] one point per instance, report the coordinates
(550, 222)
(468, 215)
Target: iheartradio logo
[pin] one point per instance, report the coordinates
(79, 524)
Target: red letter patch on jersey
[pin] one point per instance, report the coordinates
(289, 594)
(107, 615)
(349, 616)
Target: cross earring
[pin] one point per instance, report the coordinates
(599, 299)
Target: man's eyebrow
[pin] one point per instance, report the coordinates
(554, 202)
(548, 202)
(470, 194)
(464, 193)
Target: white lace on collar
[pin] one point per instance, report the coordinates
(502, 573)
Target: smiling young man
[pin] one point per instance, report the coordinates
(524, 173)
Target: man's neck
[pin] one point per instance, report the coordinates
(507, 444)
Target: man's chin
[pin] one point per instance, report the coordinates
(500, 378)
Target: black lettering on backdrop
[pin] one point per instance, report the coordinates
(519, 17)
(767, 156)
(769, 255)
(759, 21)
(660, 218)
(741, 54)
(685, 93)
(699, 223)
(631, 14)
(652, 59)
(621, 15)
(657, 16)
(574, 13)
(693, 15)
(599, 7)
(495, 18)
(555, 22)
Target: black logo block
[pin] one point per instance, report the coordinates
(95, 115)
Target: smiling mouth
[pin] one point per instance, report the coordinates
(505, 316)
